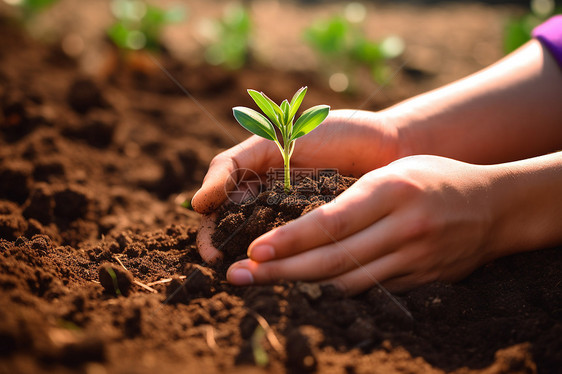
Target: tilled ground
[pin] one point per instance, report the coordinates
(92, 171)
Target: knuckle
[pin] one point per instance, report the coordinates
(332, 222)
(268, 273)
(219, 159)
(419, 225)
(341, 285)
(287, 239)
(428, 277)
(334, 264)
(404, 187)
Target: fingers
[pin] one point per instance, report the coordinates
(255, 153)
(332, 259)
(375, 273)
(335, 262)
(406, 283)
(207, 250)
(389, 266)
(215, 184)
(362, 204)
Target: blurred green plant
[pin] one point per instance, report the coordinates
(113, 276)
(229, 38)
(30, 8)
(341, 44)
(518, 30)
(139, 25)
(261, 357)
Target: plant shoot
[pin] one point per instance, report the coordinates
(282, 116)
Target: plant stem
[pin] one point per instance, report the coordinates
(287, 173)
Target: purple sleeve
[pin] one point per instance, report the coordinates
(549, 34)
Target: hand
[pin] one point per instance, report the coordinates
(417, 220)
(354, 142)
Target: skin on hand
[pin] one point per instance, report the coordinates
(345, 141)
(354, 142)
(416, 220)
(420, 219)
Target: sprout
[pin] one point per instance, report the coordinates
(282, 117)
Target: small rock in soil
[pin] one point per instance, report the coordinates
(199, 282)
(199, 279)
(312, 290)
(300, 358)
(86, 350)
(84, 95)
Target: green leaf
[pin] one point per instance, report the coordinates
(309, 120)
(254, 122)
(296, 101)
(275, 107)
(265, 106)
(285, 109)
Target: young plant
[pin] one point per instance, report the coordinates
(30, 8)
(282, 116)
(230, 39)
(518, 31)
(139, 25)
(344, 48)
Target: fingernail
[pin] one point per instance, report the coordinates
(261, 253)
(240, 277)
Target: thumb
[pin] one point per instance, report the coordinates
(255, 153)
(215, 184)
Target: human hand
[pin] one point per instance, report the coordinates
(354, 142)
(417, 220)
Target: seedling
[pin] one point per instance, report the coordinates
(341, 44)
(139, 25)
(30, 8)
(114, 279)
(229, 38)
(260, 354)
(518, 30)
(282, 116)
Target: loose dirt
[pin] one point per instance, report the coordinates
(93, 171)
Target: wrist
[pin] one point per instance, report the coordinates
(407, 124)
(373, 135)
(526, 204)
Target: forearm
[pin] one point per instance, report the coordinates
(509, 111)
(526, 201)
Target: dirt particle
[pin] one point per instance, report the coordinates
(312, 290)
(84, 94)
(300, 358)
(41, 204)
(85, 350)
(71, 202)
(115, 280)
(12, 225)
(239, 224)
(15, 181)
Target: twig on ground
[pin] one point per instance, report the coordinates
(148, 288)
(210, 337)
(120, 263)
(164, 280)
(138, 283)
(269, 333)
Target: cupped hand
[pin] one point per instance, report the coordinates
(354, 142)
(417, 220)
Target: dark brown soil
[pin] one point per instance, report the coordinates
(92, 171)
(239, 223)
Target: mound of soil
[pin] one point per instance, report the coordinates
(92, 171)
(238, 224)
